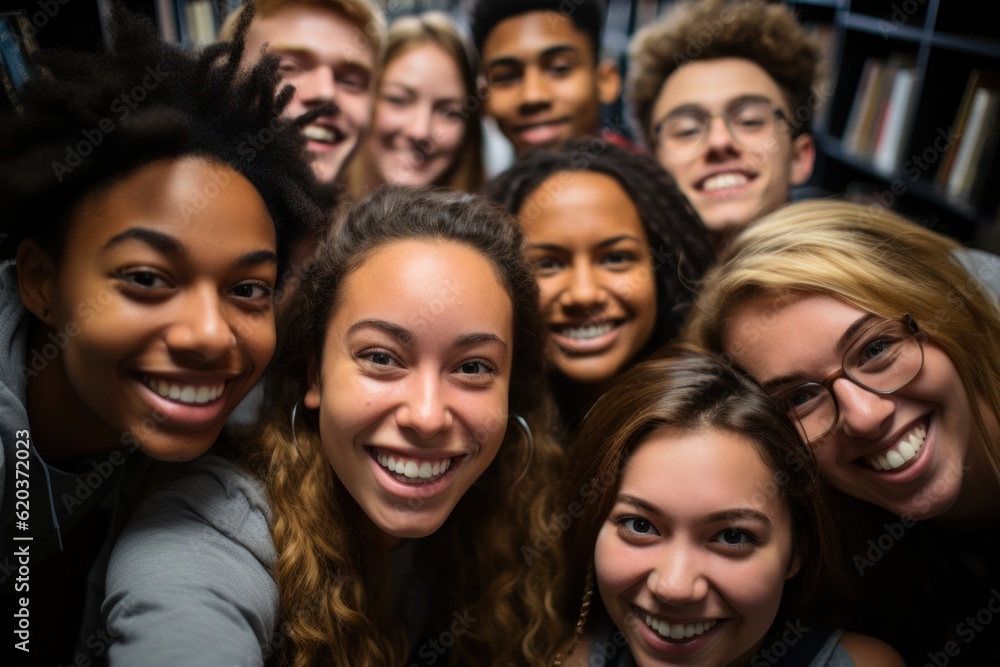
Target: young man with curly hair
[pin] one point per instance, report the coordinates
(753, 66)
(545, 81)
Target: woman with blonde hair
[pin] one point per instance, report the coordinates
(426, 129)
(404, 460)
(882, 338)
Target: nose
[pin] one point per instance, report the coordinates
(584, 288)
(424, 409)
(201, 328)
(679, 577)
(719, 137)
(316, 86)
(863, 413)
(534, 89)
(418, 126)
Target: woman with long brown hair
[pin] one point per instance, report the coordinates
(405, 454)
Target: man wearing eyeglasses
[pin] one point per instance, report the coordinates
(723, 94)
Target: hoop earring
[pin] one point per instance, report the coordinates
(295, 412)
(588, 594)
(526, 430)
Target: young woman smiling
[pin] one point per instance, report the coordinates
(406, 457)
(712, 542)
(427, 127)
(616, 250)
(137, 311)
(882, 339)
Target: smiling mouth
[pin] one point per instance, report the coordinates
(410, 470)
(322, 134)
(183, 392)
(675, 631)
(725, 181)
(898, 455)
(586, 331)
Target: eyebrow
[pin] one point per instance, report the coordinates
(722, 515)
(511, 61)
(404, 336)
(842, 343)
(603, 244)
(300, 52)
(165, 243)
(742, 99)
(168, 245)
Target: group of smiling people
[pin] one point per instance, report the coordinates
(563, 423)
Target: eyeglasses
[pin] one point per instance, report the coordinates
(751, 123)
(884, 358)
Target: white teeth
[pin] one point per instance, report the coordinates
(722, 181)
(679, 630)
(904, 450)
(587, 330)
(317, 133)
(194, 394)
(414, 469)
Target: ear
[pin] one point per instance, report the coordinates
(36, 280)
(609, 82)
(803, 159)
(314, 394)
(801, 550)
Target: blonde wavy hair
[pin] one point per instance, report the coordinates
(332, 575)
(765, 33)
(437, 29)
(875, 260)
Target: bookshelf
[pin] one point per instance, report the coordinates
(944, 43)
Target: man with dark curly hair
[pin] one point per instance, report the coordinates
(545, 80)
(723, 94)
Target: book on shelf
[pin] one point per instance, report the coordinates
(16, 46)
(827, 80)
(859, 120)
(200, 18)
(977, 79)
(896, 121)
(979, 128)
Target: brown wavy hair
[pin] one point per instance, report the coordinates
(688, 389)
(331, 573)
(762, 32)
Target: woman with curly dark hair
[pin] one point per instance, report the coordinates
(616, 249)
(149, 196)
(404, 461)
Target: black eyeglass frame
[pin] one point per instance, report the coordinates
(779, 114)
(827, 383)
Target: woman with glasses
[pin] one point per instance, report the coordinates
(882, 340)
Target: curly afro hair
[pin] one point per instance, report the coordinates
(92, 119)
(680, 243)
(587, 16)
(765, 33)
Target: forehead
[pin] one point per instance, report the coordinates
(795, 334)
(426, 66)
(417, 283)
(326, 34)
(189, 198)
(579, 206)
(712, 84)
(526, 36)
(670, 469)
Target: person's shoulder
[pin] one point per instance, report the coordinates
(867, 651)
